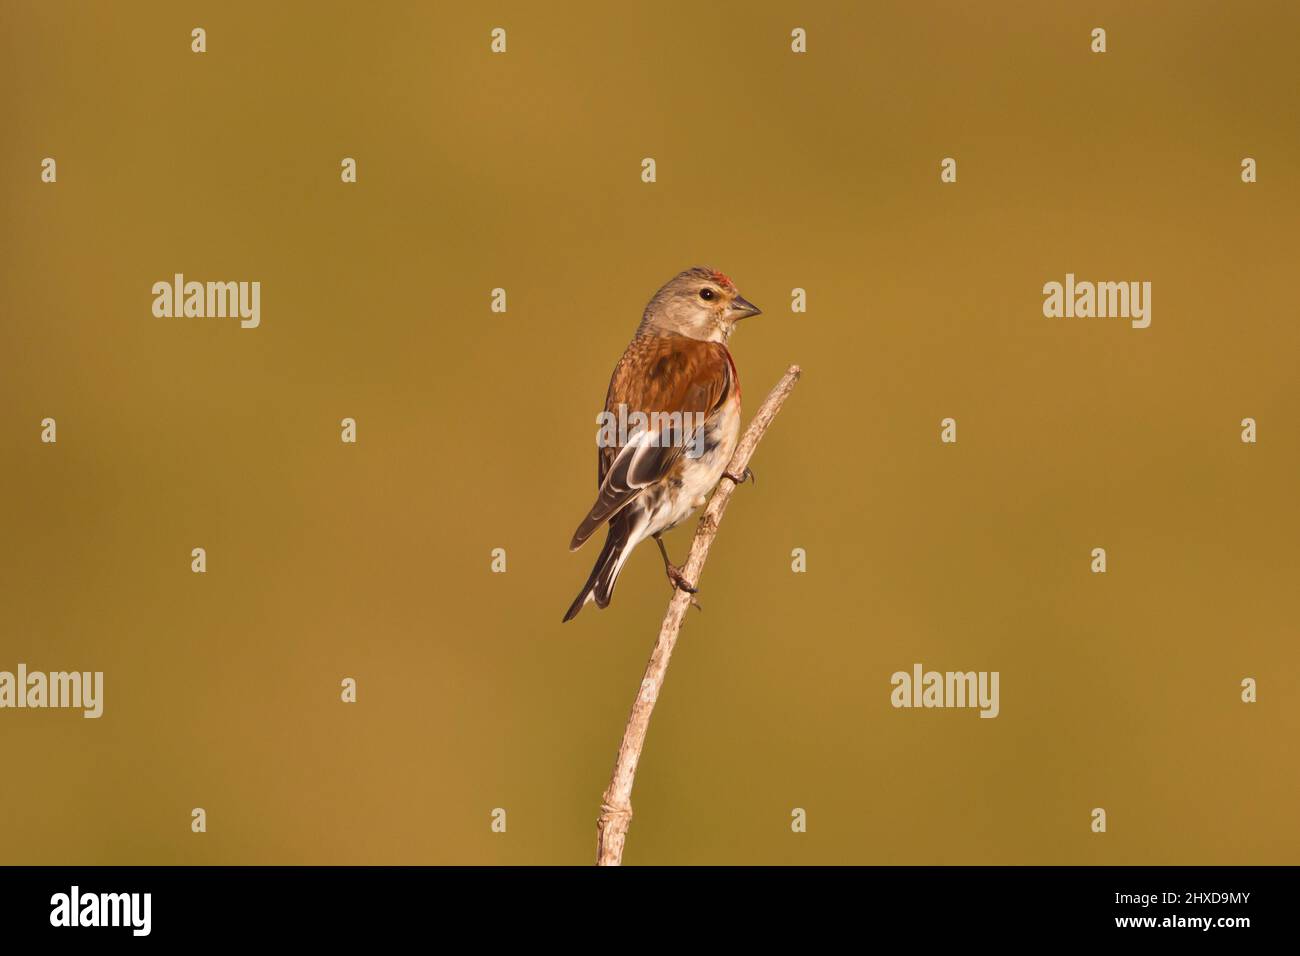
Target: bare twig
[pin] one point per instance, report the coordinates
(616, 806)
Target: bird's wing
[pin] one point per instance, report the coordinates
(669, 373)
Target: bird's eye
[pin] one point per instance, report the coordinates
(706, 294)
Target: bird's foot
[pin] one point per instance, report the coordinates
(678, 580)
(747, 476)
(675, 576)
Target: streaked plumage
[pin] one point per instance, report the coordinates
(677, 363)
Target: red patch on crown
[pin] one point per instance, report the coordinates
(722, 279)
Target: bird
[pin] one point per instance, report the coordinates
(652, 474)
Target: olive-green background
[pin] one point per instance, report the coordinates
(475, 429)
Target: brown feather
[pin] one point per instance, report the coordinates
(667, 373)
(657, 373)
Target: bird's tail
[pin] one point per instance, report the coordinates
(600, 585)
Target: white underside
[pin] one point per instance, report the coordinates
(659, 509)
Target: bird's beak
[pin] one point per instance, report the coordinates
(742, 308)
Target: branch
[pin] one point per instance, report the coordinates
(616, 806)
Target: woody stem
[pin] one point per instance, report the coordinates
(616, 804)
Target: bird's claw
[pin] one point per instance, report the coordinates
(747, 476)
(678, 580)
(675, 576)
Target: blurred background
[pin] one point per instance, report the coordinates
(475, 429)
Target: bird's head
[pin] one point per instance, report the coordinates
(700, 303)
